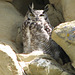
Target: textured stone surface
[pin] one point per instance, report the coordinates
(65, 8)
(29, 57)
(8, 61)
(10, 21)
(25, 59)
(68, 7)
(34, 64)
(43, 67)
(54, 15)
(55, 12)
(57, 4)
(65, 73)
(64, 35)
(37, 63)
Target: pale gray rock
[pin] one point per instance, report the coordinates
(55, 12)
(64, 35)
(68, 7)
(8, 61)
(37, 63)
(42, 66)
(10, 21)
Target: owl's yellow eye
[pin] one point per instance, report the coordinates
(32, 15)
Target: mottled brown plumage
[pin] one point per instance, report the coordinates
(36, 31)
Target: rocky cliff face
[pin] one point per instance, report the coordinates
(13, 61)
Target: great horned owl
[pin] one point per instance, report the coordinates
(36, 31)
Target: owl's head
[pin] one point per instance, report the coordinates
(36, 14)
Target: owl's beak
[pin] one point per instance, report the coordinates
(37, 19)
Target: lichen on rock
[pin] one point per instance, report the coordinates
(64, 35)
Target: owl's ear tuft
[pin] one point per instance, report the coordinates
(46, 8)
(31, 6)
